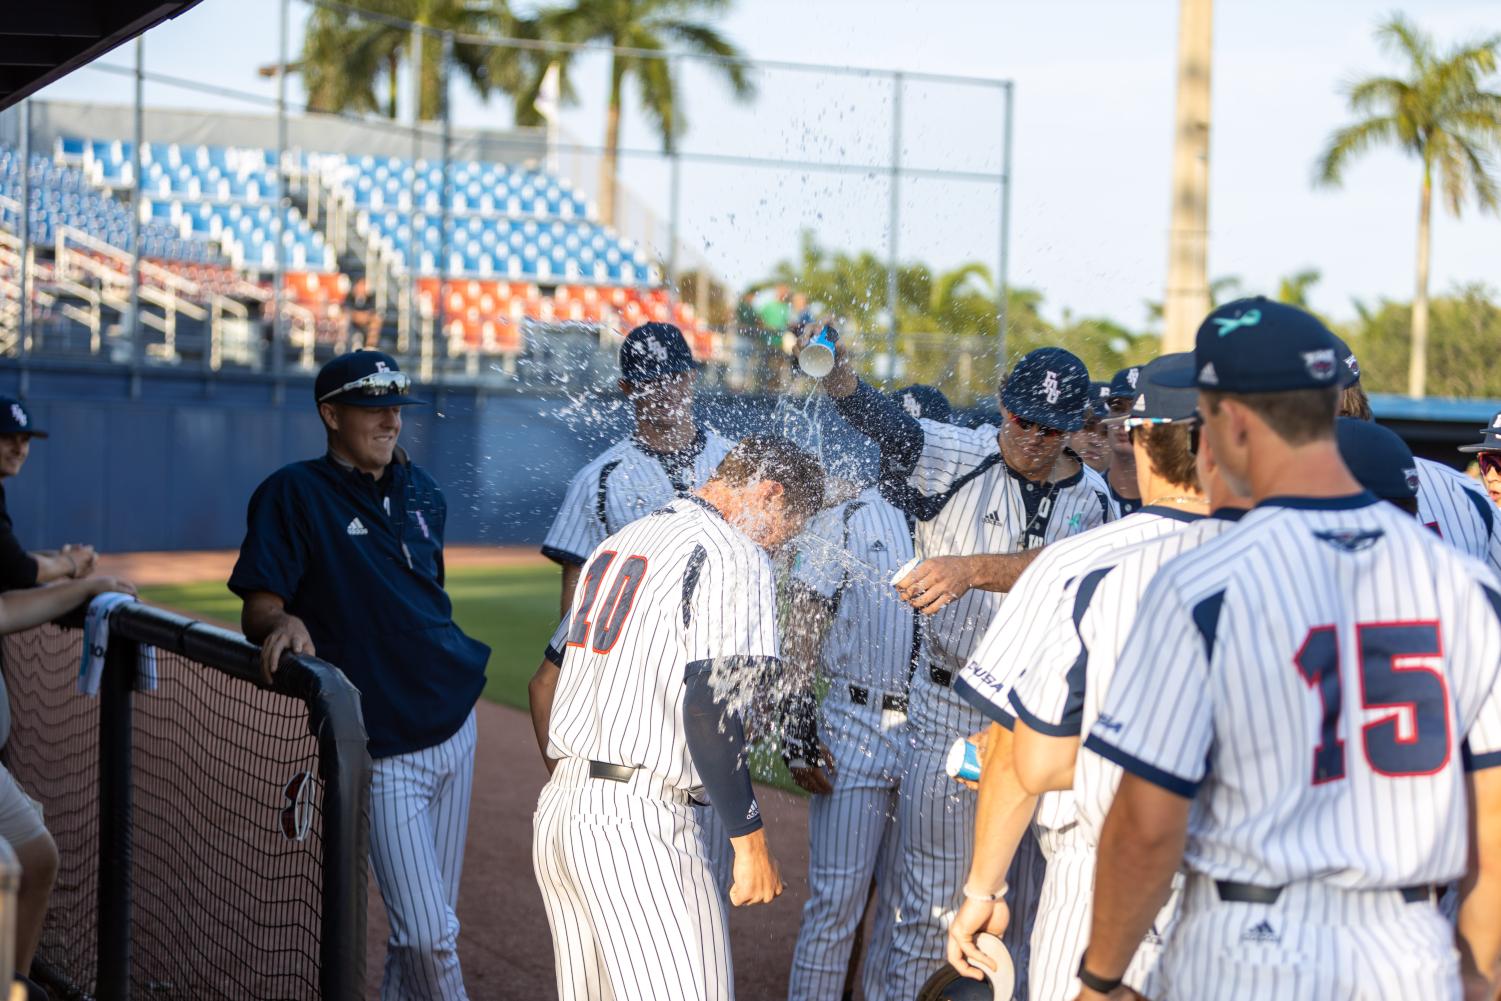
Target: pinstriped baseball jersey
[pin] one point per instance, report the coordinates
(847, 555)
(623, 483)
(1035, 617)
(1459, 509)
(1321, 716)
(973, 503)
(1062, 696)
(670, 589)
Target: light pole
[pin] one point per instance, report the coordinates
(1186, 298)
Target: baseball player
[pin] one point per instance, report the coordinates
(671, 637)
(985, 499)
(1379, 460)
(19, 568)
(1302, 728)
(669, 455)
(1035, 619)
(1487, 453)
(1091, 443)
(343, 558)
(842, 577)
(1124, 492)
(1449, 502)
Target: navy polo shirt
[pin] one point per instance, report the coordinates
(360, 562)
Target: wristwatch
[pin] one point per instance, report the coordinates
(1094, 981)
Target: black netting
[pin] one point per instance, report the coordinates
(53, 752)
(225, 904)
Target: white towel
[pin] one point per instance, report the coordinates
(96, 642)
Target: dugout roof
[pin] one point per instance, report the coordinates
(44, 40)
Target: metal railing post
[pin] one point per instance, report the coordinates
(446, 217)
(23, 327)
(136, 331)
(894, 223)
(1002, 282)
(115, 820)
(278, 279)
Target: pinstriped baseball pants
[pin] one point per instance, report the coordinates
(1316, 942)
(632, 898)
(1063, 914)
(852, 840)
(936, 818)
(419, 815)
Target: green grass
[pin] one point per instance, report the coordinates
(512, 609)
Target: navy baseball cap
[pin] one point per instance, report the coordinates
(1260, 346)
(16, 419)
(1099, 399)
(1378, 458)
(1349, 366)
(1123, 384)
(1490, 437)
(654, 351)
(922, 401)
(363, 379)
(1160, 404)
(1049, 386)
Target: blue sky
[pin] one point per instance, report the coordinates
(1094, 107)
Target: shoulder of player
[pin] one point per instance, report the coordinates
(716, 445)
(298, 479)
(622, 450)
(982, 440)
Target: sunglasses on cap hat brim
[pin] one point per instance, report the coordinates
(375, 386)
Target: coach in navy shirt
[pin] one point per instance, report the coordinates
(343, 557)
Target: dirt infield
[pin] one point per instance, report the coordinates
(152, 569)
(504, 943)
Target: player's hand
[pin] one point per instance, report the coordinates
(100, 585)
(973, 918)
(935, 583)
(83, 558)
(289, 635)
(756, 879)
(815, 779)
(842, 381)
(981, 740)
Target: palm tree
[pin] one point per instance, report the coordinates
(344, 56)
(648, 26)
(1293, 289)
(1440, 113)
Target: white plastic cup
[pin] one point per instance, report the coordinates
(817, 358)
(906, 568)
(963, 761)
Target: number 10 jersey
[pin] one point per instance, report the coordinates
(675, 590)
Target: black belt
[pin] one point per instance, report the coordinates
(1247, 893)
(940, 676)
(861, 697)
(615, 773)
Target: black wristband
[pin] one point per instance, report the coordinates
(1093, 981)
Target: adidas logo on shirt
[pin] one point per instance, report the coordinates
(994, 518)
(754, 811)
(1263, 932)
(357, 527)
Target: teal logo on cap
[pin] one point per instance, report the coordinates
(1228, 323)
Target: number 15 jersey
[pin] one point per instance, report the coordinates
(677, 588)
(1318, 680)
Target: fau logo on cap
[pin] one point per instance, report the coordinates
(1132, 374)
(1320, 364)
(1411, 475)
(18, 413)
(1050, 387)
(910, 404)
